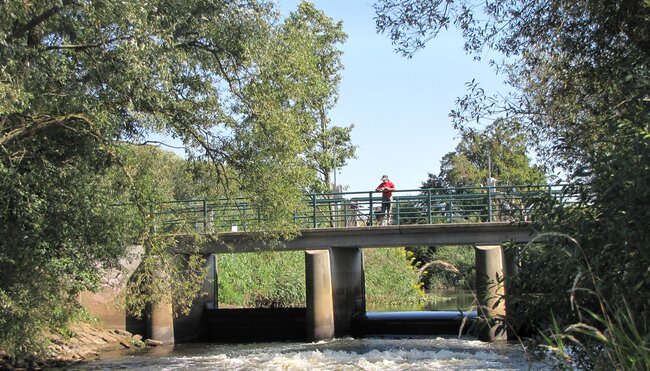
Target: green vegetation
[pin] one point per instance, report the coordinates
(277, 279)
(444, 267)
(579, 77)
(498, 151)
(389, 280)
(262, 280)
(83, 85)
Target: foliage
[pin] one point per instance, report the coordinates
(80, 78)
(58, 230)
(579, 77)
(299, 75)
(264, 279)
(331, 144)
(434, 277)
(498, 151)
(605, 333)
(390, 278)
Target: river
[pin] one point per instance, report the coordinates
(373, 353)
(391, 353)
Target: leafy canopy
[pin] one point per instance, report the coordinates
(79, 79)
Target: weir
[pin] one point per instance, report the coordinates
(335, 283)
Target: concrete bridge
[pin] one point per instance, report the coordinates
(335, 287)
(334, 230)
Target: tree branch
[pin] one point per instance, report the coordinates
(20, 30)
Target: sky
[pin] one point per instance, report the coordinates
(399, 106)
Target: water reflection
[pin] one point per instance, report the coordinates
(443, 300)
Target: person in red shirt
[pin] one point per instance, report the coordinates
(386, 187)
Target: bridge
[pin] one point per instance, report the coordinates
(333, 230)
(357, 209)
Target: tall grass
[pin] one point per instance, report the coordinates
(604, 335)
(277, 279)
(391, 279)
(263, 279)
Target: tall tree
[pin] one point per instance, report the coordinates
(79, 78)
(331, 145)
(580, 77)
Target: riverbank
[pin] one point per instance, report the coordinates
(87, 344)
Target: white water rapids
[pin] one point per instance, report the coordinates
(381, 353)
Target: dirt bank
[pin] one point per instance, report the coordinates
(86, 345)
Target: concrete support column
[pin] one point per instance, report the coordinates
(320, 312)
(490, 291)
(348, 286)
(160, 318)
(160, 323)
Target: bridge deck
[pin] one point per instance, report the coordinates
(375, 237)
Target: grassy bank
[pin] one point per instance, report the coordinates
(277, 279)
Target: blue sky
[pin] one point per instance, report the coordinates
(399, 106)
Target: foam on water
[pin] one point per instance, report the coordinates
(440, 353)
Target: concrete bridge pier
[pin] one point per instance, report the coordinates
(491, 291)
(348, 287)
(160, 318)
(320, 309)
(160, 322)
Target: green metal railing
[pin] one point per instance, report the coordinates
(350, 209)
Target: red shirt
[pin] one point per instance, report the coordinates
(385, 193)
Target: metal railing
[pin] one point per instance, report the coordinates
(350, 209)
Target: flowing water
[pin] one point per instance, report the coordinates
(392, 353)
(373, 353)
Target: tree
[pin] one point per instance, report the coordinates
(80, 78)
(300, 75)
(498, 152)
(332, 147)
(579, 76)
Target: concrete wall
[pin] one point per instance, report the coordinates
(103, 304)
(158, 323)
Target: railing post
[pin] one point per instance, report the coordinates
(372, 210)
(205, 216)
(313, 204)
(450, 209)
(397, 208)
(489, 204)
(429, 206)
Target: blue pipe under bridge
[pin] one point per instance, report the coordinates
(349, 209)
